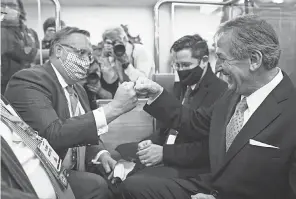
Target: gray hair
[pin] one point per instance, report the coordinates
(64, 33)
(114, 33)
(249, 33)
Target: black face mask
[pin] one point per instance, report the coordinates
(190, 77)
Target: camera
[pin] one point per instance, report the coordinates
(119, 48)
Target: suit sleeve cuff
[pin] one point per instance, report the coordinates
(101, 122)
(152, 99)
(168, 150)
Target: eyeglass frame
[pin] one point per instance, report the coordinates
(78, 51)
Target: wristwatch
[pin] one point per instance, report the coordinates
(125, 65)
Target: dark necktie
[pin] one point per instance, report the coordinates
(186, 99)
(236, 122)
(76, 155)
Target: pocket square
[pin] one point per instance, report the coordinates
(261, 144)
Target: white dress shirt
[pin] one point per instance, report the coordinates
(99, 114)
(255, 99)
(30, 163)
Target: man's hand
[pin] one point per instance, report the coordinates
(202, 196)
(96, 88)
(125, 98)
(108, 162)
(145, 86)
(123, 59)
(150, 154)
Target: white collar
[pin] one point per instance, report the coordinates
(255, 99)
(60, 77)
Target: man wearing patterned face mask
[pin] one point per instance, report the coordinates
(53, 103)
(75, 66)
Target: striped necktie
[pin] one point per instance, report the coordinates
(76, 155)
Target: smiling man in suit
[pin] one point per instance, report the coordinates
(251, 129)
(50, 99)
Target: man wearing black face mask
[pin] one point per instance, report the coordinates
(178, 153)
(191, 61)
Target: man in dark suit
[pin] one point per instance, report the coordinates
(50, 100)
(200, 89)
(251, 128)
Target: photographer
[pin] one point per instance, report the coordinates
(129, 59)
(93, 86)
(49, 28)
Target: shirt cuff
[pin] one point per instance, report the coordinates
(101, 121)
(133, 73)
(152, 99)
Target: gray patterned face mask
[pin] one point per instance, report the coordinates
(76, 67)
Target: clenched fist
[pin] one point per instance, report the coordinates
(125, 98)
(145, 86)
(150, 154)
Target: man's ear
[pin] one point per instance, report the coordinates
(204, 61)
(58, 50)
(256, 60)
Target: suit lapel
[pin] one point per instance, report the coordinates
(62, 102)
(217, 136)
(266, 113)
(15, 168)
(203, 88)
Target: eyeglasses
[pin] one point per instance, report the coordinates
(80, 52)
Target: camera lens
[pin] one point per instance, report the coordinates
(119, 49)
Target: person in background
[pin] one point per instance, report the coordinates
(49, 28)
(131, 60)
(52, 102)
(95, 85)
(19, 44)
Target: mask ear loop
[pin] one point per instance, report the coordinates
(64, 50)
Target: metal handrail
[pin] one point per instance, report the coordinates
(156, 21)
(40, 25)
(58, 22)
(57, 14)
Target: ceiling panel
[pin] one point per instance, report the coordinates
(98, 2)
